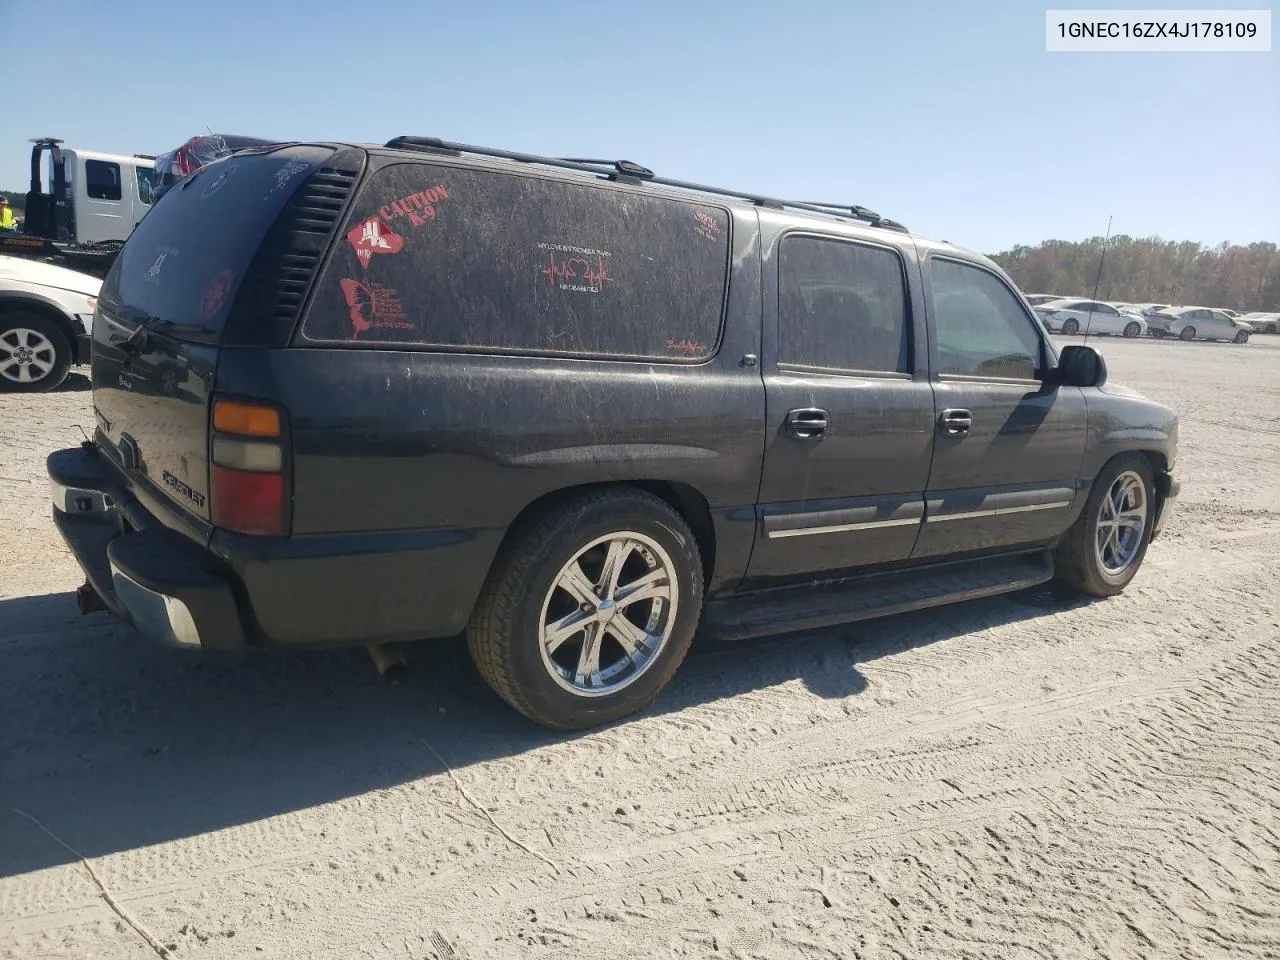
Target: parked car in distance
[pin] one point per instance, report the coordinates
(1263, 322)
(1198, 323)
(1090, 316)
(46, 315)
(577, 411)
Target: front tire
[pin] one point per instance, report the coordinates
(1070, 327)
(1242, 336)
(1188, 333)
(1105, 547)
(35, 355)
(589, 609)
(1131, 330)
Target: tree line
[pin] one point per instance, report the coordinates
(1151, 270)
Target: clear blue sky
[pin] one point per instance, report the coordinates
(948, 116)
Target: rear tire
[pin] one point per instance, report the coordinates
(1070, 327)
(1188, 333)
(1105, 547)
(559, 639)
(1131, 330)
(35, 355)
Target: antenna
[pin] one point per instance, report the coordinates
(1098, 282)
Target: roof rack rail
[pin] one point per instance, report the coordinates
(628, 172)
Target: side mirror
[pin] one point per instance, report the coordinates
(1079, 365)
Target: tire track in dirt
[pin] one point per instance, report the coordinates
(922, 805)
(1094, 780)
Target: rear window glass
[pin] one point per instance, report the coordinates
(185, 259)
(459, 258)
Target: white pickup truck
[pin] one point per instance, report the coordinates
(46, 315)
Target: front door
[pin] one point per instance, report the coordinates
(1220, 326)
(1009, 448)
(849, 410)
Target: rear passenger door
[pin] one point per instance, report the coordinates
(849, 421)
(1009, 446)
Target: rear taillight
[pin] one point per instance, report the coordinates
(247, 452)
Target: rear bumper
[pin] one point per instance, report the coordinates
(332, 590)
(1167, 490)
(144, 573)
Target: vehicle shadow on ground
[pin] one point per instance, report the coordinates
(75, 383)
(115, 744)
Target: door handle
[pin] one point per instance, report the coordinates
(807, 423)
(955, 422)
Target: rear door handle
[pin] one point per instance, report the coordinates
(955, 422)
(807, 423)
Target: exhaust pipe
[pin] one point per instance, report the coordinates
(389, 661)
(87, 599)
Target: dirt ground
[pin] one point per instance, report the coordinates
(1015, 777)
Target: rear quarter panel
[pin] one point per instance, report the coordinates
(422, 460)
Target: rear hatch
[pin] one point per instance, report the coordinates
(163, 316)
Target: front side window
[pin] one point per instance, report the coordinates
(981, 330)
(454, 257)
(102, 180)
(144, 185)
(842, 306)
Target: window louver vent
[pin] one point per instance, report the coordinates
(270, 299)
(308, 221)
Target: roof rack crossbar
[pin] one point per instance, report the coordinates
(634, 172)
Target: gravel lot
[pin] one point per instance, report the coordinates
(1015, 777)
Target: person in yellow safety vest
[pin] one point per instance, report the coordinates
(6, 215)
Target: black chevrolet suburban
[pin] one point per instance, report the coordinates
(356, 395)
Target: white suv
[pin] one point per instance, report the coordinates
(46, 314)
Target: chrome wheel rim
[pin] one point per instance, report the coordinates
(1131, 330)
(26, 355)
(1122, 520)
(609, 614)
(1188, 333)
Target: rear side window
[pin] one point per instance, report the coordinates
(102, 180)
(185, 259)
(842, 306)
(446, 257)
